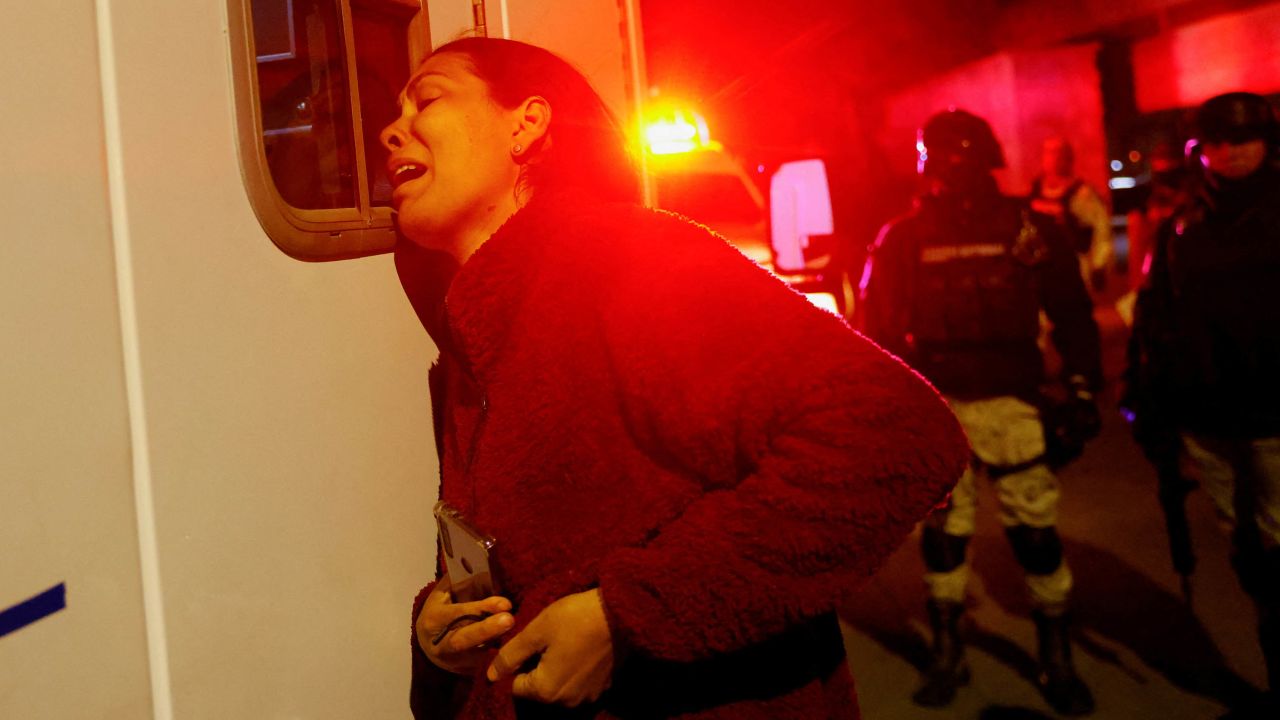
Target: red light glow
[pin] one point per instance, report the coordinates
(1188, 65)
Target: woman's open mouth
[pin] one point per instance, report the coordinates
(406, 172)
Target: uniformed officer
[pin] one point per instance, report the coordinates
(1203, 384)
(956, 288)
(1083, 214)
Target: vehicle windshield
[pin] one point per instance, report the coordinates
(708, 198)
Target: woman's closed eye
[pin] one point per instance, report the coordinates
(424, 91)
(421, 103)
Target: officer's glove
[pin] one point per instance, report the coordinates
(1068, 426)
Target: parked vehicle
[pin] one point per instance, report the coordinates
(787, 233)
(709, 186)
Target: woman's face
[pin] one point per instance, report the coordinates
(1234, 160)
(451, 157)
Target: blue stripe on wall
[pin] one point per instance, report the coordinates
(24, 613)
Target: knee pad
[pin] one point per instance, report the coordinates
(1039, 551)
(942, 552)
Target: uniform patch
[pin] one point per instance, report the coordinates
(948, 253)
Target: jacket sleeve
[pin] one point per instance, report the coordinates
(1092, 212)
(1070, 309)
(433, 691)
(816, 450)
(884, 293)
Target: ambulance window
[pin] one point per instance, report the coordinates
(383, 48)
(316, 81)
(306, 119)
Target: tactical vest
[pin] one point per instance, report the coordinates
(1059, 209)
(977, 279)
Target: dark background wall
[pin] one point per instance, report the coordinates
(843, 79)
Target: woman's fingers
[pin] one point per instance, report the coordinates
(479, 633)
(449, 638)
(517, 650)
(572, 638)
(439, 610)
(528, 686)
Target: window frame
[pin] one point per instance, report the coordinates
(310, 234)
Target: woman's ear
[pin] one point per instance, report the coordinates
(533, 118)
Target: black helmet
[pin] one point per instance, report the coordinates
(1237, 117)
(955, 139)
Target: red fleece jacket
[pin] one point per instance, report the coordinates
(626, 402)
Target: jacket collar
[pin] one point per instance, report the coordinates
(484, 299)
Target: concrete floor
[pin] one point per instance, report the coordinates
(1144, 652)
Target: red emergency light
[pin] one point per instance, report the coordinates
(671, 129)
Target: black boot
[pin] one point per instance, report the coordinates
(1269, 638)
(1265, 705)
(1062, 688)
(947, 668)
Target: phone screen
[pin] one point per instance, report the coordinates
(467, 556)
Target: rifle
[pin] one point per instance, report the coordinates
(1173, 491)
(1160, 444)
(1148, 385)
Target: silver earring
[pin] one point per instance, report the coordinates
(517, 149)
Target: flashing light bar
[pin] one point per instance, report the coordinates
(672, 130)
(1122, 183)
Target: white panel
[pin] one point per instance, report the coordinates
(291, 449)
(66, 498)
(586, 32)
(799, 207)
(452, 19)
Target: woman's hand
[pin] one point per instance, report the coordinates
(572, 637)
(459, 651)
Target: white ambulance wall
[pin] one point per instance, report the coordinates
(66, 494)
(588, 33)
(286, 404)
(452, 19)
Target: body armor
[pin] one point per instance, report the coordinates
(1059, 208)
(978, 299)
(956, 287)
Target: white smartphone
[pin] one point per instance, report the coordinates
(468, 556)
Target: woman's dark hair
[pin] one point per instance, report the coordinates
(584, 147)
